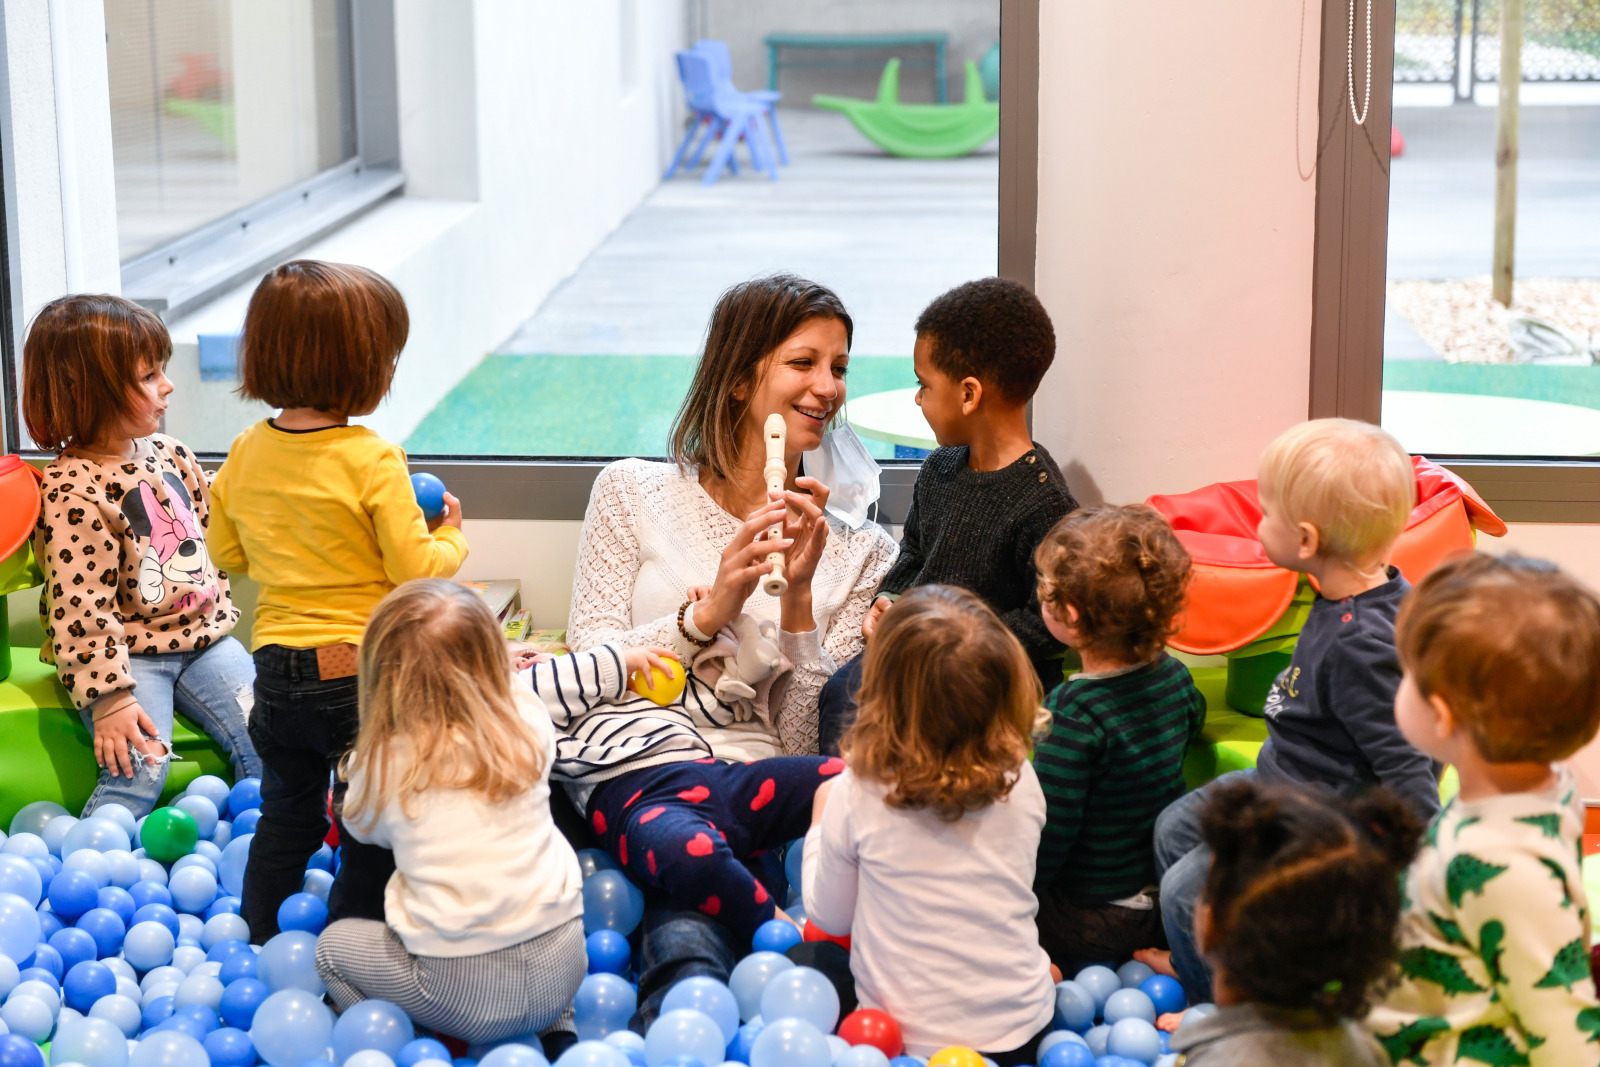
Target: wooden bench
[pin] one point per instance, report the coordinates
(939, 42)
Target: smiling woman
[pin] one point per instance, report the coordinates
(702, 778)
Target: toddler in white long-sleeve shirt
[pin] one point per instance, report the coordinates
(923, 850)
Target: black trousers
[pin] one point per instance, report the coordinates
(301, 726)
(1076, 934)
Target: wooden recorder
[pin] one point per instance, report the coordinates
(776, 472)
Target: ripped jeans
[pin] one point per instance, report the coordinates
(212, 687)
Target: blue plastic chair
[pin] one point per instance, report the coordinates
(721, 114)
(722, 71)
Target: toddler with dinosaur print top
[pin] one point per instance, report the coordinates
(1499, 658)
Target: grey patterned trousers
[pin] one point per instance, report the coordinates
(522, 989)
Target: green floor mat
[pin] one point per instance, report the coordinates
(588, 405)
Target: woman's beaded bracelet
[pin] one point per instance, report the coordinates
(684, 630)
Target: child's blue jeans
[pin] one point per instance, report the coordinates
(212, 687)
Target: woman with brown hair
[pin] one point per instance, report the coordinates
(682, 795)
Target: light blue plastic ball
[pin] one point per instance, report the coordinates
(91, 1042)
(199, 989)
(55, 833)
(19, 926)
(290, 1027)
(219, 838)
(25, 845)
(1075, 1006)
(1101, 982)
(28, 1016)
(288, 961)
(91, 863)
(750, 977)
(202, 809)
(151, 871)
(604, 1005)
(793, 858)
(120, 814)
(9, 975)
(187, 957)
(213, 789)
(1135, 1039)
(122, 867)
(624, 1039)
(193, 859)
(170, 1048)
(193, 889)
(148, 945)
(234, 859)
(319, 884)
(704, 994)
(419, 1049)
(512, 1055)
(225, 927)
(802, 993)
(120, 1011)
(371, 1024)
(790, 1043)
(593, 1054)
(96, 833)
(684, 1032)
(611, 902)
(19, 877)
(32, 818)
(862, 1056)
(1056, 1037)
(1133, 972)
(1129, 1004)
(1096, 1038)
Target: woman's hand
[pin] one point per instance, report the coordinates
(743, 565)
(128, 726)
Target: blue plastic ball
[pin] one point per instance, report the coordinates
(1165, 993)
(371, 1024)
(240, 1000)
(611, 902)
(18, 1051)
(1129, 1004)
(245, 795)
(49, 923)
(738, 1050)
(86, 983)
(47, 959)
(38, 974)
(423, 1048)
(158, 913)
(591, 860)
(158, 1011)
(147, 892)
(775, 935)
(244, 823)
(236, 966)
(72, 893)
(224, 906)
(608, 952)
(604, 1003)
(230, 1047)
(119, 901)
(107, 929)
(1067, 1054)
(303, 911)
(429, 491)
(74, 946)
(46, 871)
(321, 859)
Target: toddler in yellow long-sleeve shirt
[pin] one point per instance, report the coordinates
(322, 515)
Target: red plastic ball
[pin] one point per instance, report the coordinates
(813, 932)
(869, 1026)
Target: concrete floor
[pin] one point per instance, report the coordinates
(887, 234)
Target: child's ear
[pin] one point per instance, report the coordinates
(1310, 541)
(971, 395)
(1447, 723)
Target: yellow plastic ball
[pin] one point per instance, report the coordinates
(955, 1056)
(660, 688)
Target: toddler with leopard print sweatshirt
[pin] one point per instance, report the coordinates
(136, 617)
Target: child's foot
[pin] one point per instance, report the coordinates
(1055, 974)
(1169, 1021)
(1158, 960)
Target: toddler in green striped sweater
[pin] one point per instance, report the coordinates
(1111, 581)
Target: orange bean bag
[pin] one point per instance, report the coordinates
(1237, 594)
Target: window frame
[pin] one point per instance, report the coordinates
(554, 487)
(1349, 280)
(175, 277)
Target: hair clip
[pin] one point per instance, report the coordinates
(1334, 986)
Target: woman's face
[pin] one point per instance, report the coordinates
(802, 380)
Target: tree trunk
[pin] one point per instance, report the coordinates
(1505, 153)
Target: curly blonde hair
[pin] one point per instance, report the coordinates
(436, 706)
(947, 703)
(1124, 571)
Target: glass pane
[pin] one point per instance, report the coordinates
(600, 368)
(218, 103)
(1464, 373)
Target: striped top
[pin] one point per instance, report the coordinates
(1112, 762)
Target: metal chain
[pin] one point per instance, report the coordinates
(1350, 65)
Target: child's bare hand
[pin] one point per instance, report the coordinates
(874, 613)
(641, 658)
(779, 913)
(1169, 1021)
(113, 735)
(450, 516)
(697, 593)
(524, 655)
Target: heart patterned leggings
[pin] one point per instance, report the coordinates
(686, 829)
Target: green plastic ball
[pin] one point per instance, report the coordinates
(169, 834)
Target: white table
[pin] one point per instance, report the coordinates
(893, 417)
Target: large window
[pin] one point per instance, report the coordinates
(1472, 367)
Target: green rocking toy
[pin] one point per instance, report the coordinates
(922, 131)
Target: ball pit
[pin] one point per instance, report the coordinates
(125, 958)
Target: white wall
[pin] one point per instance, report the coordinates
(1175, 239)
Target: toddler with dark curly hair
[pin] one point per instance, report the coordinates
(1297, 918)
(1111, 581)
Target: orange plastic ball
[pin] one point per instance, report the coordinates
(869, 1026)
(813, 932)
(955, 1056)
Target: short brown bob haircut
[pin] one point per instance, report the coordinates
(994, 330)
(748, 324)
(1124, 571)
(81, 366)
(1512, 645)
(320, 335)
(948, 700)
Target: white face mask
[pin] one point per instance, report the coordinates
(843, 464)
